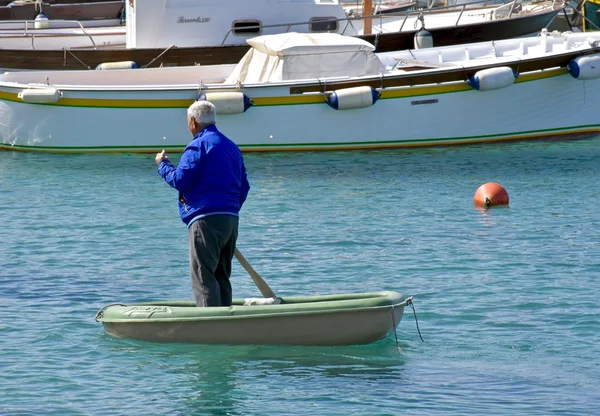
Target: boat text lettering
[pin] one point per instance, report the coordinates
(193, 20)
(419, 102)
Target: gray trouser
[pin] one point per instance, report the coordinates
(212, 246)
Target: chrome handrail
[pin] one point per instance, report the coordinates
(460, 14)
(403, 22)
(27, 32)
(345, 27)
(512, 7)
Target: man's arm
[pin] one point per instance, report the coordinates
(182, 177)
(245, 188)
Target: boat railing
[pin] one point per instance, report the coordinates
(510, 5)
(483, 3)
(28, 25)
(494, 14)
(514, 3)
(349, 19)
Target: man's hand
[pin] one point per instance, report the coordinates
(160, 157)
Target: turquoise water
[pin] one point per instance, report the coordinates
(507, 299)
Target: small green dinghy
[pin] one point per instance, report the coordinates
(359, 318)
(347, 319)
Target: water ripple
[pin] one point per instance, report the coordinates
(507, 299)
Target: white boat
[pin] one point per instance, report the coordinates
(231, 22)
(314, 92)
(163, 24)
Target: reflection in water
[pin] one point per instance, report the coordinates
(489, 216)
(231, 380)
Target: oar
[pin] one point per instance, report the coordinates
(264, 288)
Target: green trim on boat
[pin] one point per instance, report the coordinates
(169, 311)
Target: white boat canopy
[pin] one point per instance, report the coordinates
(296, 56)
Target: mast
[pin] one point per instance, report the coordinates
(367, 22)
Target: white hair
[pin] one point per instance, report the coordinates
(203, 112)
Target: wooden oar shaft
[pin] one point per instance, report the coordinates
(264, 288)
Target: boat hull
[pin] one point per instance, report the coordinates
(403, 117)
(214, 55)
(428, 100)
(469, 33)
(319, 321)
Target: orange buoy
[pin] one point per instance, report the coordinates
(490, 194)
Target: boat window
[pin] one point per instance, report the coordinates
(246, 27)
(323, 24)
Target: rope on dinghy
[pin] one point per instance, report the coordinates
(408, 302)
(412, 306)
(394, 329)
(100, 313)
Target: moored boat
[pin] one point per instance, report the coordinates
(353, 97)
(216, 33)
(345, 319)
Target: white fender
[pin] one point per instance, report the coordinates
(116, 65)
(493, 78)
(40, 95)
(585, 67)
(423, 39)
(228, 102)
(351, 98)
(41, 22)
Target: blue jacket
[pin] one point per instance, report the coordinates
(211, 176)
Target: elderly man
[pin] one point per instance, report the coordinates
(212, 184)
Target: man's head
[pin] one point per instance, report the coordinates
(200, 114)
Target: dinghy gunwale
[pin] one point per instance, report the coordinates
(186, 311)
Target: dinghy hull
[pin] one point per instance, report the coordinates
(317, 320)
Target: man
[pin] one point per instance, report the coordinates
(212, 184)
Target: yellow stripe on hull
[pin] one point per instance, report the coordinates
(387, 93)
